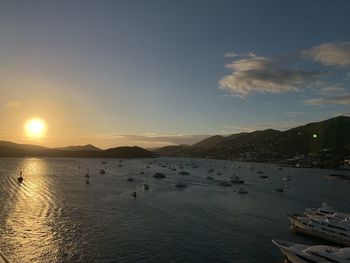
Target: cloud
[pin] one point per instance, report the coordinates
(233, 54)
(263, 75)
(338, 100)
(12, 104)
(330, 54)
(331, 90)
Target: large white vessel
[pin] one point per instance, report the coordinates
(331, 228)
(326, 211)
(297, 253)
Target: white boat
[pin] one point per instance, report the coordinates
(297, 253)
(326, 211)
(333, 229)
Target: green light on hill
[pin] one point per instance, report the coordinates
(314, 135)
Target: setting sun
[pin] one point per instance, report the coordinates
(35, 128)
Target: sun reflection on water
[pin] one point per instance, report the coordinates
(30, 220)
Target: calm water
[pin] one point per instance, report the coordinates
(53, 216)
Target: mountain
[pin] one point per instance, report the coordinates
(210, 142)
(10, 149)
(331, 136)
(87, 147)
(21, 146)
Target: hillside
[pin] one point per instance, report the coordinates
(10, 149)
(331, 136)
(87, 147)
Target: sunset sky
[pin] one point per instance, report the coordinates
(152, 73)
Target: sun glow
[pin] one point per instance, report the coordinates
(35, 128)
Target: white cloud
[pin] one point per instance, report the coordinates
(12, 104)
(330, 54)
(263, 75)
(332, 90)
(339, 100)
(233, 54)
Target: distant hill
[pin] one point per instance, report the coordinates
(331, 135)
(21, 146)
(87, 147)
(10, 149)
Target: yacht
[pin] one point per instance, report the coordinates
(297, 253)
(331, 228)
(326, 211)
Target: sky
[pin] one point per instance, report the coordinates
(153, 73)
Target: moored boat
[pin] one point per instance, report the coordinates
(298, 253)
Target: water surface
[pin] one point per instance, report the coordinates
(54, 216)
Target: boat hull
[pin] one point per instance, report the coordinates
(299, 227)
(291, 257)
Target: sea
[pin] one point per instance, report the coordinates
(55, 216)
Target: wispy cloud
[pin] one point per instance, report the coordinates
(12, 104)
(233, 54)
(338, 100)
(263, 75)
(330, 54)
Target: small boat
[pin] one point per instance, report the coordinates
(183, 173)
(87, 175)
(145, 186)
(181, 185)
(20, 179)
(159, 175)
(120, 165)
(103, 162)
(130, 179)
(236, 180)
(242, 191)
(280, 189)
(142, 172)
(102, 171)
(260, 172)
(87, 181)
(264, 176)
(134, 194)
